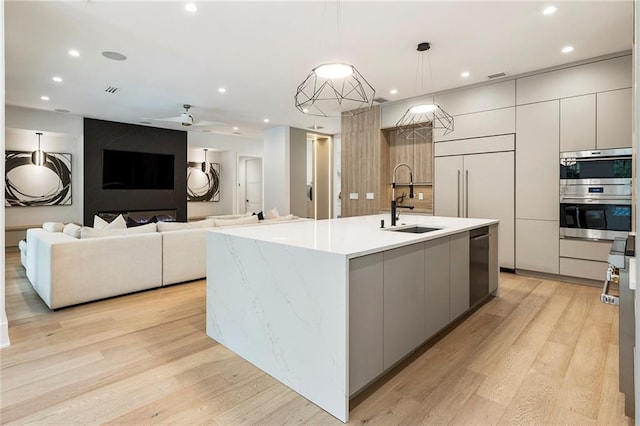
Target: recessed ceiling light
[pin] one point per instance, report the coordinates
(305, 110)
(145, 122)
(266, 120)
(567, 49)
(191, 7)
(235, 128)
(44, 98)
(549, 10)
(222, 90)
(57, 79)
(465, 74)
(114, 56)
(74, 53)
(61, 110)
(393, 91)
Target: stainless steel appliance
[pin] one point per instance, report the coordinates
(616, 291)
(478, 265)
(595, 194)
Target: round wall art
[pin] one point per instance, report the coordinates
(29, 185)
(203, 186)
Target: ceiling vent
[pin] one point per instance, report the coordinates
(111, 89)
(380, 100)
(498, 75)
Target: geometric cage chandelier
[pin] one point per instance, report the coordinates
(332, 89)
(419, 120)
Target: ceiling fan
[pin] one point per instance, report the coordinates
(187, 119)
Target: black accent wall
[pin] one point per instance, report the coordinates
(100, 135)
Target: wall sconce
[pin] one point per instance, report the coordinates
(204, 166)
(39, 157)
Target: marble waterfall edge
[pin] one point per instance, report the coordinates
(285, 310)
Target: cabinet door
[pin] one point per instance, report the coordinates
(436, 285)
(537, 161)
(489, 183)
(614, 119)
(459, 275)
(537, 247)
(447, 189)
(578, 123)
(365, 320)
(403, 301)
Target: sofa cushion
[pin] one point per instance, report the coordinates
(72, 230)
(99, 223)
(22, 245)
(88, 232)
(272, 214)
(178, 226)
(247, 220)
(53, 226)
(282, 218)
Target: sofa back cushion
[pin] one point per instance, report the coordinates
(72, 230)
(246, 220)
(178, 226)
(88, 232)
(53, 226)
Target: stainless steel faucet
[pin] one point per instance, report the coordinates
(393, 192)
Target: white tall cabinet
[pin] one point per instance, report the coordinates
(479, 185)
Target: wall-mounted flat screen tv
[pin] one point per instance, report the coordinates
(136, 170)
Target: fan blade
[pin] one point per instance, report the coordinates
(173, 119)
(208, 123)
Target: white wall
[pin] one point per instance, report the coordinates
(61, 133)
(4, 324)
(275, 168)
(224, 150)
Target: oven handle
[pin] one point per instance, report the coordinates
(607, 298)
(599, 200)
(605, 158)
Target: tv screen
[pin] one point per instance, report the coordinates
(136, 170)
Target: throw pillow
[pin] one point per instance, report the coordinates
(89, 232)
(53, 226)
(260, 216)
(283, 218)
(141, 229)
(272, 214)
(72, 230)
(99, 223)
(117, 223)
(247, 220)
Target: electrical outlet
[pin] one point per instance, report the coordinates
(370, 196)
(353, 195)
(420, 196)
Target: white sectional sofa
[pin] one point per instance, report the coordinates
(66, 271)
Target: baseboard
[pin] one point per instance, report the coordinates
(4, 331)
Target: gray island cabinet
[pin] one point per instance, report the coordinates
(326, 307)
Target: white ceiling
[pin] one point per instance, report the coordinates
(261, 51)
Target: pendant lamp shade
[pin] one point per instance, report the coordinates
(332, 89)
(204, 166)
(419, 120)
(39, 157)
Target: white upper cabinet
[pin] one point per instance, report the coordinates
(614, 112)
(578, 123)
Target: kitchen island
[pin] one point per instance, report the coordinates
(326, 307)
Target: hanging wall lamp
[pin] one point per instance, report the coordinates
(39, 157)
(204, 165)
(419, 120)
(334, 88)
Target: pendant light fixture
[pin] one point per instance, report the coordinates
(334, 88)
(204, 165)
(39, 157)
(419, 120)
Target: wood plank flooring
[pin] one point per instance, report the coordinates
(545, 352)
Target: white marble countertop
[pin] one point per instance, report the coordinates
(355, 236)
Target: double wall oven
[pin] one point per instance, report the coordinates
(595, 194)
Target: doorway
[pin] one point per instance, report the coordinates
(250, 185)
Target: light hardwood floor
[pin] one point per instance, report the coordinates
(545, 352)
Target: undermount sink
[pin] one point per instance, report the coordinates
(416, 229)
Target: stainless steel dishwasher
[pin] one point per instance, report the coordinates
(478, 265)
